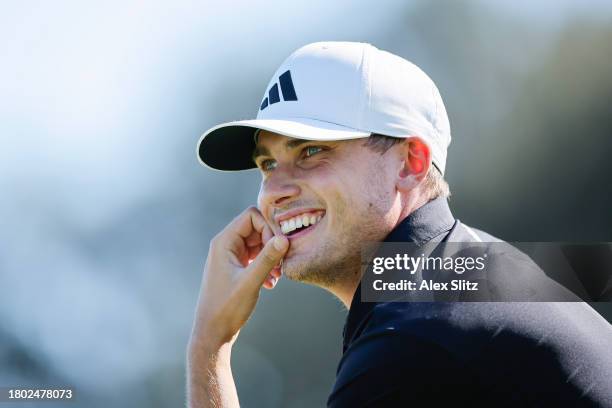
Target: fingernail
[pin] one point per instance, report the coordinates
(279, 243)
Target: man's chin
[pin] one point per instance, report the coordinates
(293, 270)
(306, 270)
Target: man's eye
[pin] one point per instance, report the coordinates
(312, 150)
(268, 165)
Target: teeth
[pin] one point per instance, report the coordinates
(298, 222)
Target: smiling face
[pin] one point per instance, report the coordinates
(329, 198)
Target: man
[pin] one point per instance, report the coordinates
(331, 182)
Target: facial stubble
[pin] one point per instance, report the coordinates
(336, 258)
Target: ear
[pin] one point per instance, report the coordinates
(416, 160)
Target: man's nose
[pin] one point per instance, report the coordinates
(280, 189)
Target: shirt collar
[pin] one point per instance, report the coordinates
(422, 225)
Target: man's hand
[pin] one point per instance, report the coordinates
(241, 259)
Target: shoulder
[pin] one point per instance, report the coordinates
(461, 232)
(509, 274)
(446, 323)
(502, 346)
(475, 353)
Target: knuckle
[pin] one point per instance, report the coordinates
(268, 257)
(214, 242)
(251, 210)
(255, 211)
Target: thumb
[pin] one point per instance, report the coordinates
(268, 258)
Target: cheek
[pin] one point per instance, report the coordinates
(260, 202)
(340, 189)
(327, 186)
(324, 184)
(369, 188)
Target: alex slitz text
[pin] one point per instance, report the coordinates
(425, 285)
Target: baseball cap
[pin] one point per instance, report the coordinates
(336, 91)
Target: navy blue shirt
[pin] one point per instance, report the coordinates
(468, 353)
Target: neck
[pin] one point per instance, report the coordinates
(345, 290)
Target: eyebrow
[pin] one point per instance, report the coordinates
(290, 144)
(260, 151)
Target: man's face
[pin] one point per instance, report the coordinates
(345, 188)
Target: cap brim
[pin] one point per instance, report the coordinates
(230, 146)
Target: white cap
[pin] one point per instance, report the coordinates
(337, 91)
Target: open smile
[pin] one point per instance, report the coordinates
(300, 223)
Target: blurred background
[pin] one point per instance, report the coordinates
(105, 213)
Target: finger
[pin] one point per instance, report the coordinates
(251, 220)
(276, 272)
(257, 237)
(272, 278)
(268, 258)
(271, 281)
(267, 234)
(254, 251)
(247, 230)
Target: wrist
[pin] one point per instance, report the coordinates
(208, 349)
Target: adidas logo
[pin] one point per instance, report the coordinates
(286, 85)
